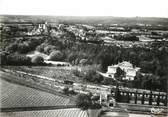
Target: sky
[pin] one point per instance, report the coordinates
(121, 8)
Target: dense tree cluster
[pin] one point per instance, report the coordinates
(18, 59)
(152, 59)
(14, 59)
(38, 60)
(13, 30)
(22, 45)
(126, 37)
(92, 76)
(56, 56)
(85, 102)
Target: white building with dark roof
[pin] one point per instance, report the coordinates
(125, 66)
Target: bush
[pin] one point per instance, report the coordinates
(83, 61)
(71, 57)
(126, 37)
(56, 56)
(12, 48)
(93, 76)
(95, 106)
(76, 72)
(40, 48)
(48, 49)
(38, 60)
(119, 73)
(108, 81)
(72, 92)
(66, 90)
(23, 48)
(3, 57)
(83, 101)
(18, 60)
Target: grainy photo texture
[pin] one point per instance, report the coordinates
(84, 59)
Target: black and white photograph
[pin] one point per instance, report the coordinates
(83, 58)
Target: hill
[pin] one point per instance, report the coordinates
(85, 19)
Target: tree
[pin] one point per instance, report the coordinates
(56, 56)
(15, 59)
(92, 76)
(158, 100)
(165, 100)
(136, 83)
(71, 57)
(127, 98)
(83, 101)
(143, 98)
(108, 81)
(3, 57)
(77, 73)
(136, 93)
(119, 73)
(150, 98)
(12, 47)
(48, 49)
(23, 48)
(38, 60)
(40, 48)
(117, 94)
(83, 61)
(127, 37)
(66, 90)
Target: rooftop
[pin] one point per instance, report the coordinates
(125, 64)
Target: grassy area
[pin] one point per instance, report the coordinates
(62, 73)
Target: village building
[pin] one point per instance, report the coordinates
(127, 67)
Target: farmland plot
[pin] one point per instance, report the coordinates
(14, 95)
(62, 73)
(73, 112)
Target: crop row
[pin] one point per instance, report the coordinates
(14, 95)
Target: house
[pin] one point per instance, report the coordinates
(125, 66)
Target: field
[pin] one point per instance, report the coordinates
(14, 95)
(60, 73)
(66, 73)
(74, 112)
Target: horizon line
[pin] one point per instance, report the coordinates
(82, 16)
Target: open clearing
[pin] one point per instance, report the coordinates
(61, 73)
